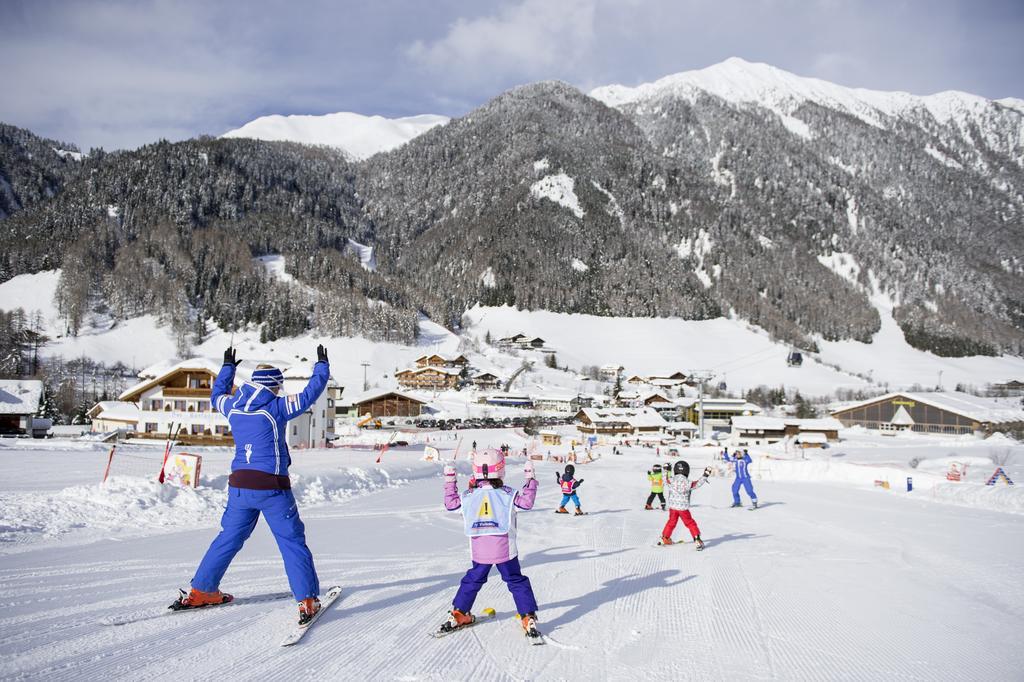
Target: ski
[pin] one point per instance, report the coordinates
(299, 631)
(486, 616)
(151, 614)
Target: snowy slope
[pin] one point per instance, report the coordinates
(360, 136)
(742, 355)
(736, 352)
(743, 82)
(826, 581)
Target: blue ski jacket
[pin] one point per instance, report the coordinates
(258, 418)
(743, 467)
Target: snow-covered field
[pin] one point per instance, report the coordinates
(833, 578)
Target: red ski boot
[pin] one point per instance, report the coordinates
(307, 609)
(456, 620)
(196, 599)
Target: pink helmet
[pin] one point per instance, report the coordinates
(489, 463)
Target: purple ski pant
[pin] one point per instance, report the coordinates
(518, 585)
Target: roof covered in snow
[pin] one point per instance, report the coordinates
(20, 396)
(118, 410)
(439, 370)
(155, 374)
(360, 398)
(983, 410)
(639, 418)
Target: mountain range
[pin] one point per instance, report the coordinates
(804, 207)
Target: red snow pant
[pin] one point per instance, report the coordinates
(676, 515)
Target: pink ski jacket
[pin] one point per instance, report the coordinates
(494, 549)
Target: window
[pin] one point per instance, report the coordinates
(179, 405)
(150, 427)
(156, 404)
(197, 429)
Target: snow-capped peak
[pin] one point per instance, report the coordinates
(358, 136)
(739, 81)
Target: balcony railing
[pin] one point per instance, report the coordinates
(176, 392)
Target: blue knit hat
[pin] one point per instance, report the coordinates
(270, 377)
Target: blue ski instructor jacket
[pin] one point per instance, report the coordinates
(259, 418)
(743, 468)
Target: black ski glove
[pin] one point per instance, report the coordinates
(321, 354)
(577, 484)
(229, 357)
(558, 477)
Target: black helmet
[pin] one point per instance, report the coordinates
(681, 468)
(569, 470)
(657, 467)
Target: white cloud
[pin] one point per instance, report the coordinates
(531, 39)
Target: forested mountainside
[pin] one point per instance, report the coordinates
(803, 213)
(32, 168)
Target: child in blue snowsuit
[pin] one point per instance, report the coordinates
(568, 485)
(742, 463)
(259, 482)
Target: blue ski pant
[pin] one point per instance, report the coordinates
(282, 515)
(567, 498)
(518, 584)
(747, 485)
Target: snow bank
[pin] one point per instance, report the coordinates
(122, 503)
(126, 504)
(927, 486)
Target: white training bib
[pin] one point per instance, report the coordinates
(487, 511)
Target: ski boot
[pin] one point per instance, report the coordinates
(665, 540)
(699, 543)
(307, 609)
(456, 620)
(754, 502)
(648, 507)
(196, 599)
(735, 504)
(662, 507)
(529, 622)
(561, 510)
(579, 512)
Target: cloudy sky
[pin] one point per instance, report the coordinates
(120, 73)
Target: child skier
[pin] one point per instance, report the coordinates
(679, 490)
(742, 466)
(569, 486)
(489, 514)
(657, 486)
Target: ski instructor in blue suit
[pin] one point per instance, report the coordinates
(742, 461)
(259, 482)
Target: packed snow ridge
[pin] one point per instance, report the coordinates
(359, 136)
(741, 82)
(559, 188)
